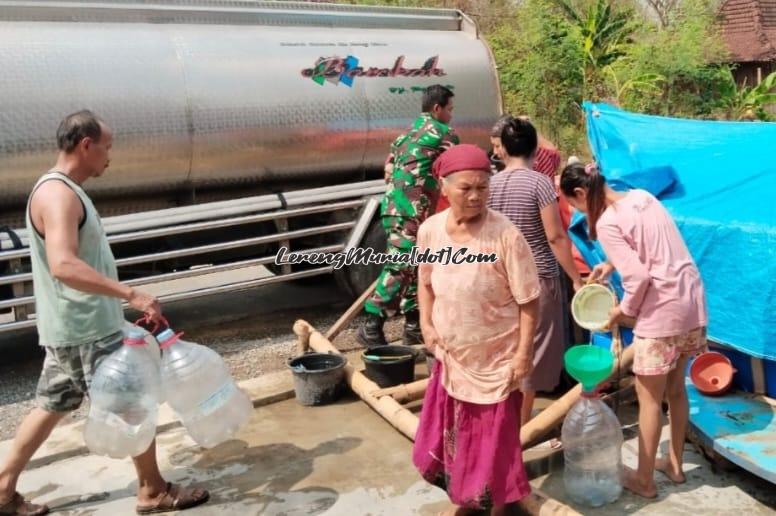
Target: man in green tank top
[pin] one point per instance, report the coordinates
(78, 311)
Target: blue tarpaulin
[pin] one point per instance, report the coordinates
(718, 180)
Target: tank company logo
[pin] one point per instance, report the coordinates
(344, 70)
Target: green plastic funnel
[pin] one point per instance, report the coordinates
(589, 365)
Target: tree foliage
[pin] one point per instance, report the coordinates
(744, 102)
(663, 57)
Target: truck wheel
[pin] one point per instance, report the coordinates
(355, 279)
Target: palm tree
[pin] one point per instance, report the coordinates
(644, 83)
(749, 103)
(605, 35)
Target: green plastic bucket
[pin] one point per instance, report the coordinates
(589, 365)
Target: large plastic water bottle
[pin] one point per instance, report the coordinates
(197, 385)
(152, 346)
(592, 451)
(124, 395)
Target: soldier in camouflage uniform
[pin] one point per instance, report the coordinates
(410, 199)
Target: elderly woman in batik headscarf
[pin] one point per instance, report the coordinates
(478, 318)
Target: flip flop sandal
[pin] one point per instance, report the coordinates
(18, 506)
(176, 498)
(552, 444)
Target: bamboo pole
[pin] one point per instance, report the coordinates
(402, 419)
(350, 313)
(405, 392)
(624, 393)
(548, 418)
(302, 338)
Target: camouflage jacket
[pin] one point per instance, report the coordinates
(412, 188)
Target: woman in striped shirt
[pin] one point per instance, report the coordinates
(529, 199)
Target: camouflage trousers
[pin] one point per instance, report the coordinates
(397, 286)
(67, 373)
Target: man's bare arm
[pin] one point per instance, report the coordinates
(58, 210)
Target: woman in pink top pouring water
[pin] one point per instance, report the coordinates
(665, 295)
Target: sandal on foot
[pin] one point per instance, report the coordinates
(552, 444)
(18, 506)
(176, 498)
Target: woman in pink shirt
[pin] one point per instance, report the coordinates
(663, 292)
(478, 317)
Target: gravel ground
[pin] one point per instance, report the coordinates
(250, 344)
(250, 358)
(17, 392)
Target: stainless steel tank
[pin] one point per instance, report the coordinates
(205, 93)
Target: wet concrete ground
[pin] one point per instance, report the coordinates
(337, 460)
(341, 459)
(707, 491)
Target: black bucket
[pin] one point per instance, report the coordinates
(318, 377)
(394, 365)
